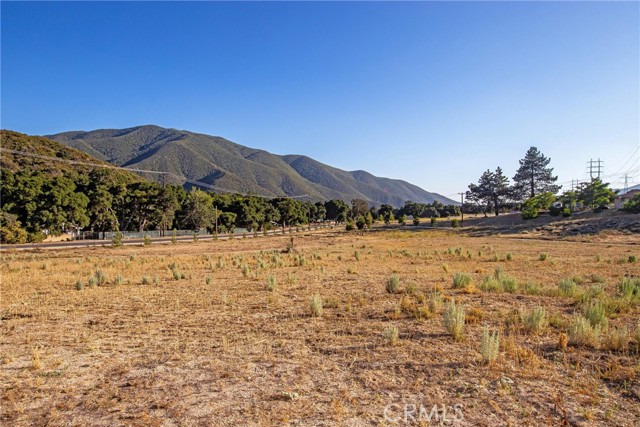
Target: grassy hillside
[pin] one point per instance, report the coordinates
(234, 167)
(39, 146)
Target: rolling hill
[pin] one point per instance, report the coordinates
(232, 167)
(44, 151)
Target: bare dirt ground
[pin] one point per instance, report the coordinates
(583, 226)
(221, 346)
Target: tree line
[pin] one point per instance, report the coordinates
(534, 189)
(36, 204)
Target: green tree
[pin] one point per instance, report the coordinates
(532, 206)
(198, 210)
(227, 221)
(595, 194)
(250, 212)
(102, 216)
(320, 212)
(414, 209)
(491, 191)
(291, 211)
(368, 220)
(337, 210)
(60, 207)
(139, 205)
(569, 199)
(271, 215)
(167, 205)
(386, 213)
(359, 207)
(11, 230)
(20, 195)
(633, 204)
(533, 176)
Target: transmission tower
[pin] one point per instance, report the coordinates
(595, 167)
(626, 183)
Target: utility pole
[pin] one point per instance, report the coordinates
(216, 218)
(461, 209)
(164, 220)
(595, 169)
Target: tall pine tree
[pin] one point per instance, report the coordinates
(492, 190)
(534, 177)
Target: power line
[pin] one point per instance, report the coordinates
(162, 174)
(631, 158)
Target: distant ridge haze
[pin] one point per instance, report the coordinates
(234, 167)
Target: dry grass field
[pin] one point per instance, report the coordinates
(343, 330)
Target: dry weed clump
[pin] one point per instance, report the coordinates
(316, 306)
(272, 283)
(583, 333)
(534, 321)
(454, 317)
(567, 288)
(594, 312)
(391, 335)
(393, 284)
(461, 280)
(474, 315)
(489, 345)
(616, 339)
(435, 302)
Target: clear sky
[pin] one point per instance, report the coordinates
(433, 93)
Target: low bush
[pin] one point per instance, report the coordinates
(567, 288)
(534, 321)
(391, 335)
(617, 339)
(316, 306)
(489, 345)
(454, 320)
(393, 283)
(582, 333)
(461, 280)
(594, 312)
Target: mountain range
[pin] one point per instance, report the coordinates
(221, 164)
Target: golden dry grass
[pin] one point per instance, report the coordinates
(239, 352)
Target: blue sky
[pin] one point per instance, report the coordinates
(433, 93)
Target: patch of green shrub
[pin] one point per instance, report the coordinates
(393, 283)
(583, 333)
(461, 280)
(567, 288)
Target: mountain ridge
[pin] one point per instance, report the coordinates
(225, 164)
